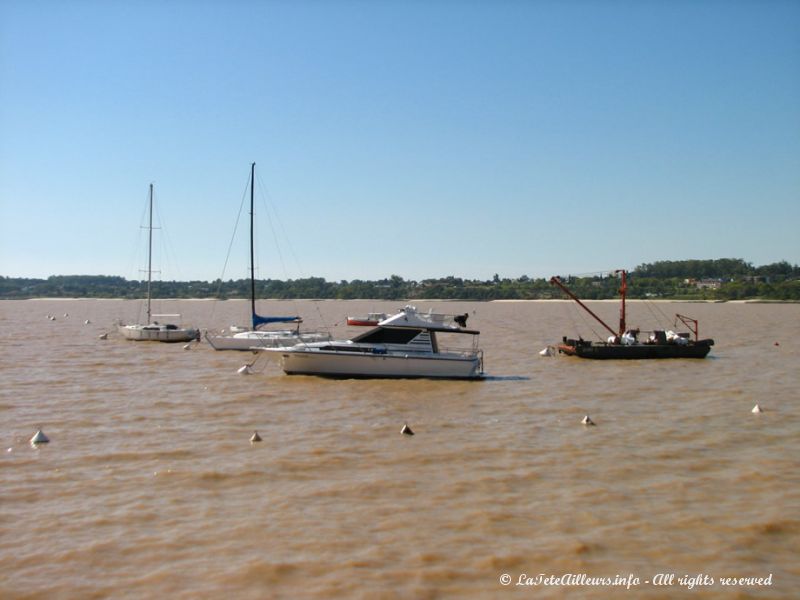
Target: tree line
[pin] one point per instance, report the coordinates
(721, 279)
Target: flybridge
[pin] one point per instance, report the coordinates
(409, 317)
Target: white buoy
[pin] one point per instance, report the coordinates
(406, 430)
(188, 346)
(255, 437)
(549, 351)
(757, 409)
(39, 438)
(103, 336)
(245, 370)
(66, 315)
(587, 420)
(87, 322)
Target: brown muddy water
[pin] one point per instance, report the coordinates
(150, 487)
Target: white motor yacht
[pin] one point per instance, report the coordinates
(404, 345)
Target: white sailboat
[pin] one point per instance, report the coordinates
(152, 330)
(255, 337)
(405, 345)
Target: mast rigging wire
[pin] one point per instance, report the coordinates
(230, 246)
(272, 218)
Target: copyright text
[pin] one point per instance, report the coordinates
(630, 580)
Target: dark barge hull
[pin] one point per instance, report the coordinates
(604, 351)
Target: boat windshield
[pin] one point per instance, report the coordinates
(386, 335)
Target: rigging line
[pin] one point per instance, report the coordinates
(230, 249)
(572, 310)
(568, 308)
(266, 200)
(218, 291)
(663, 314)
(134, 260)
(271, 221)
(589, 324)
(661, 318)
(233, 236)
(263, 363)
(159, 244)
(266, 203)
(653, 313)
(168, 256)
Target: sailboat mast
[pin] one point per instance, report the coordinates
(623, 290)
(252, 260)
(150, 255)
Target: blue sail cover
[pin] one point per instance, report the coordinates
(259, 320)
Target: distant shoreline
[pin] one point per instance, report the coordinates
(413, 301)
(689, 280)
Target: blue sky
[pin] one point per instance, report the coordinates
(421, 139)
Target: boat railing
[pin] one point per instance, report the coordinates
(444, 319)
(154, 317)
(461, 351)
(439, 318)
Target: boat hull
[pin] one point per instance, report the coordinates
(250, 341)
(360, 365)
(139, 333)
(602, 351)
